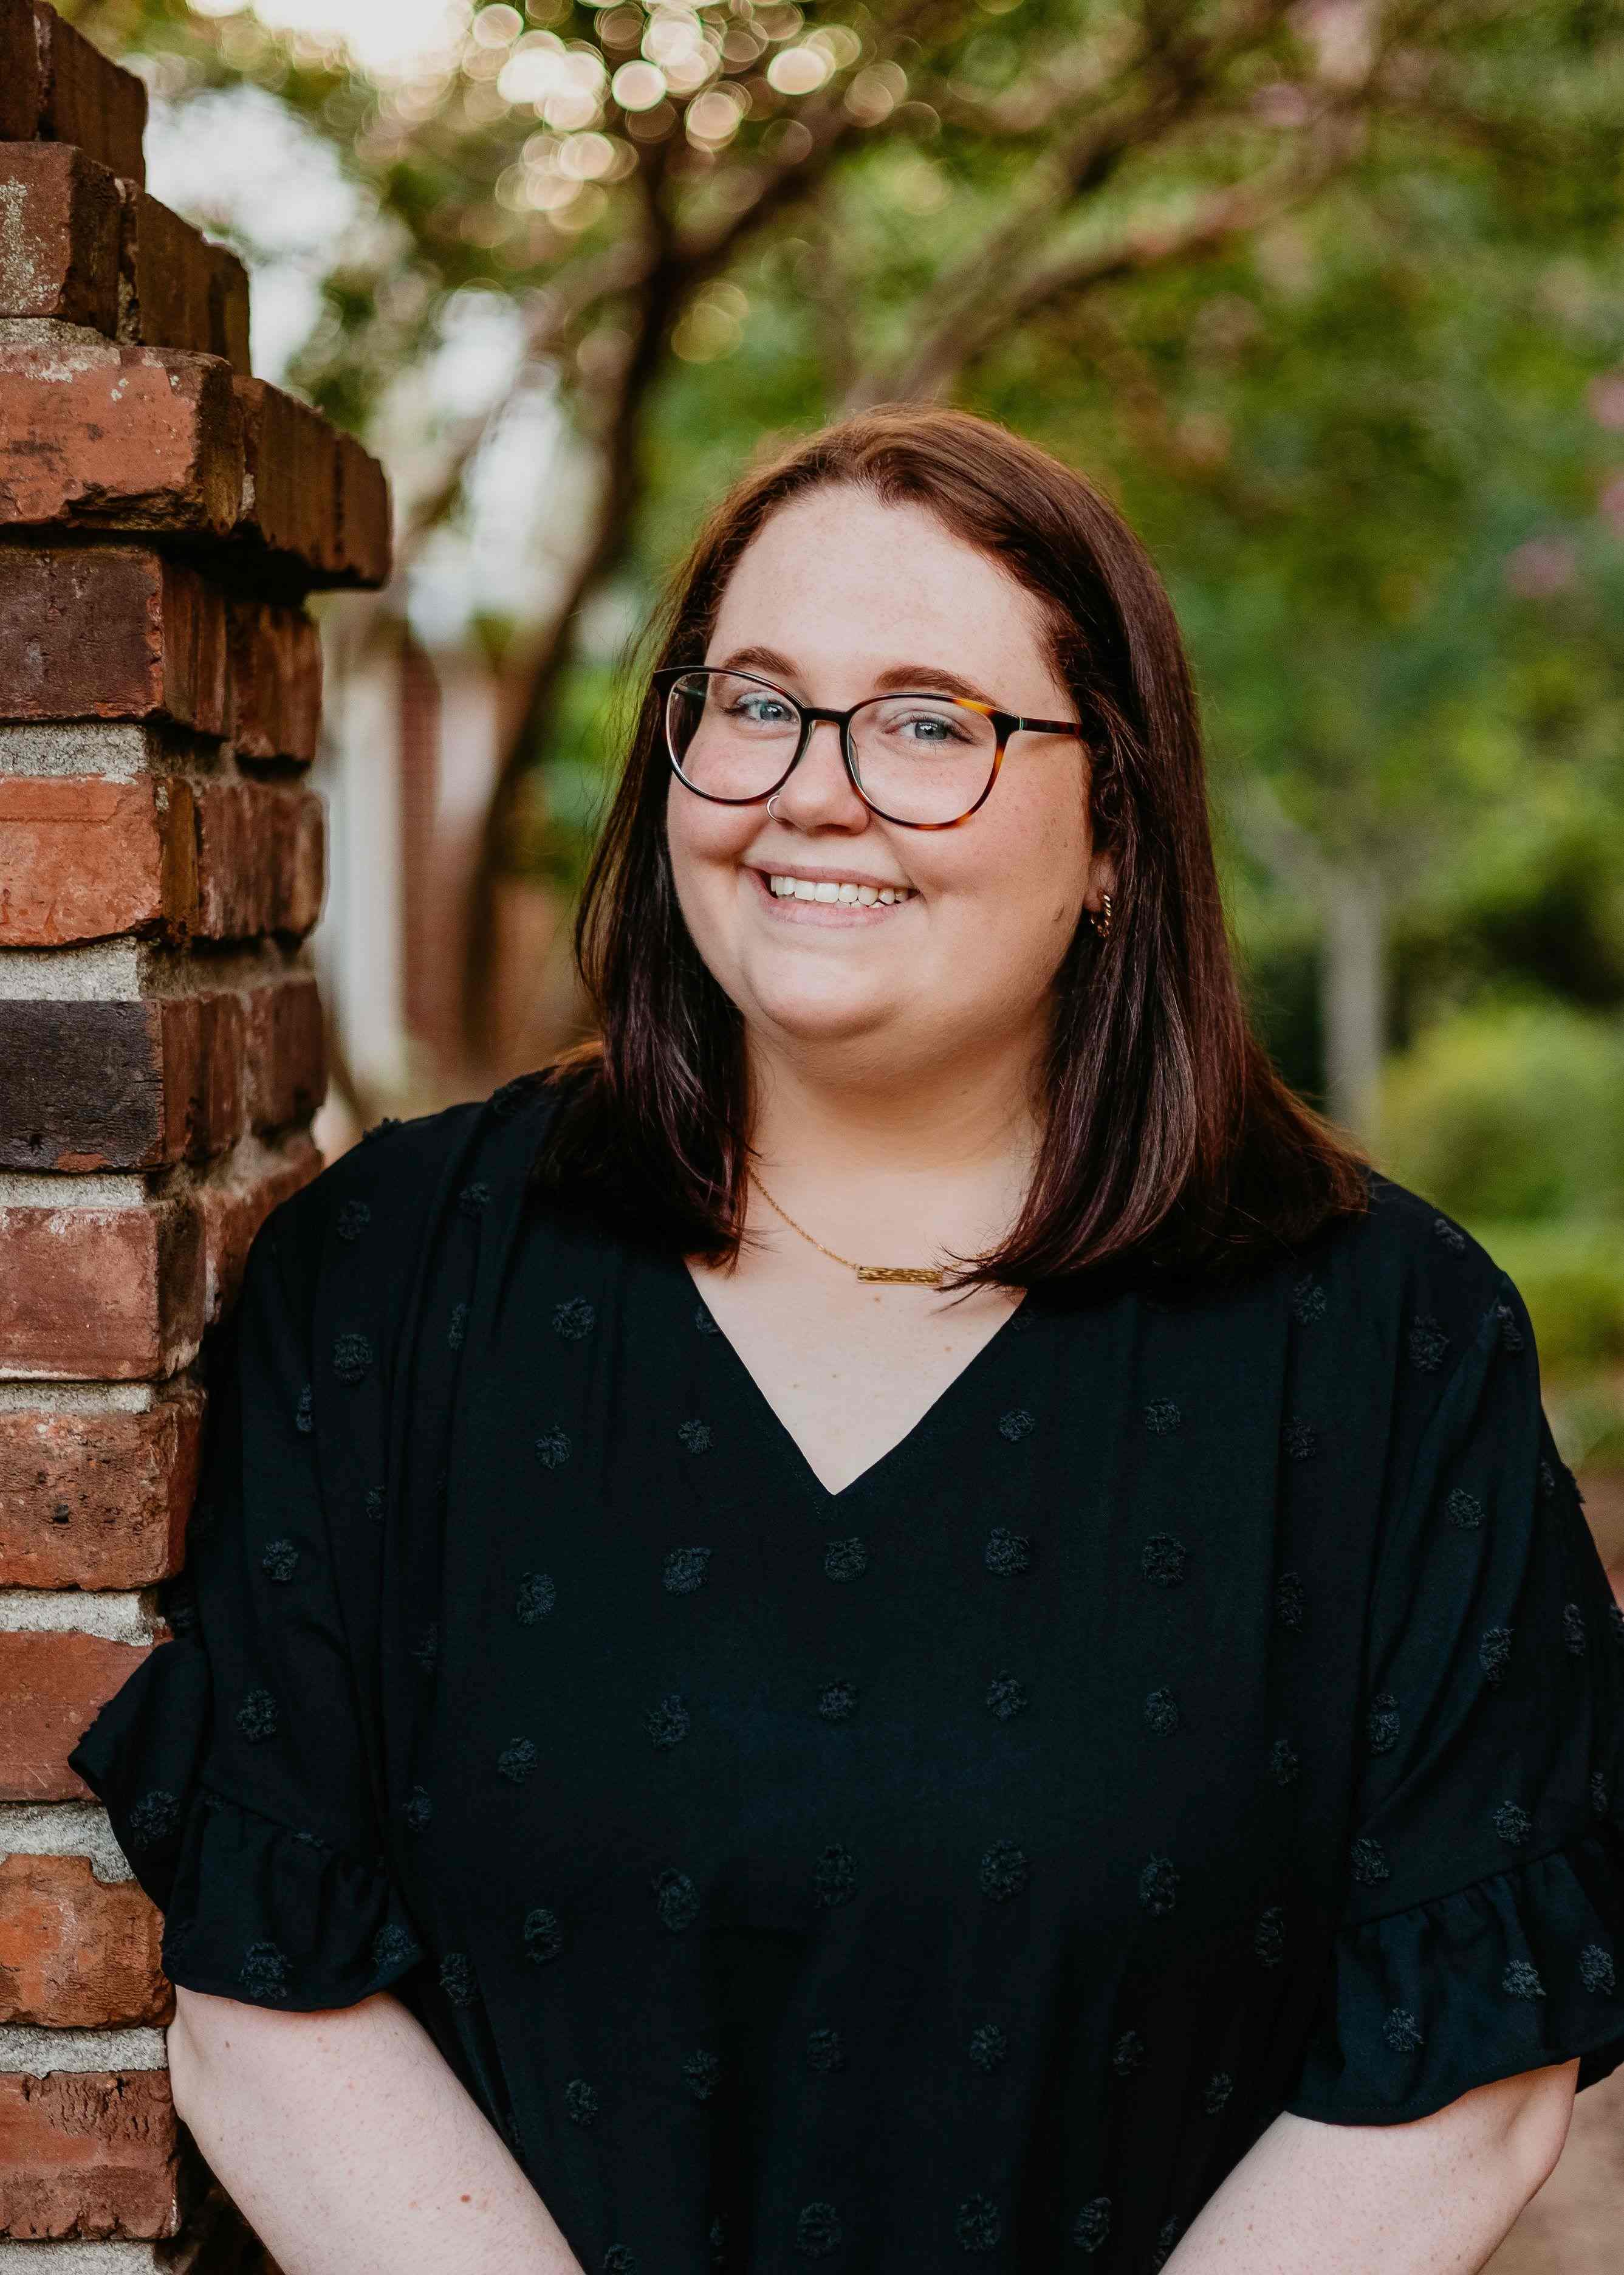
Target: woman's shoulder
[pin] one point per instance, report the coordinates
(1403, 1283)
(371, 1209)
(1408, 1245)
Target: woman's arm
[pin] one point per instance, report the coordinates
(1434, 2197)
(350, 2145)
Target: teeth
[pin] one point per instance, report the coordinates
(826, 888)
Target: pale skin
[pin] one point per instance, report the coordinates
(891, 1055)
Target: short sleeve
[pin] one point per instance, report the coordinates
(232, 1764)
(1483, 1931)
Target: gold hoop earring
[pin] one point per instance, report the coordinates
(1101, 917)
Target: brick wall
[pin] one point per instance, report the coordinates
(162, 517)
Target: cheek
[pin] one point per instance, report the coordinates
(705, 841)
(1028, 872)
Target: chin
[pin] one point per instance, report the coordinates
(837, 1017)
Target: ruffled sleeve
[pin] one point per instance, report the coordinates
(1483, 1931)
(232, 1764)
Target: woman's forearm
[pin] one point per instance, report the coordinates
(350, 2146)
(1435, 2197)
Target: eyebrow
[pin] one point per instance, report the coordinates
(933, 677)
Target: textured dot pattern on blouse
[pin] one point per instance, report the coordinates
(767, 1916)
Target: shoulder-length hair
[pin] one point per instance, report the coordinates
(1170, 1137)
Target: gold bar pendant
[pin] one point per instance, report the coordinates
(901, 1275)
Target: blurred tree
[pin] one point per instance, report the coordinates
(1378, 452)
(917, 198)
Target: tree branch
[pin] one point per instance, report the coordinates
(1214, 224)
(972, 303)
(832, 128)
(620, 268)
(1319, 152)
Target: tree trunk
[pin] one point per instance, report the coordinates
(620, 493)
(1353, 998)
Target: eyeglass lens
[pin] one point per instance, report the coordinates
(919, 758)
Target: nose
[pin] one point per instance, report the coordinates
(818, 794)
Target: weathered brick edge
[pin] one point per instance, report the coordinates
(161, 1051)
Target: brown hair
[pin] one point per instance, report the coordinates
(1169, 1136)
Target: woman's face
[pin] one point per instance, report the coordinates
(838, 594)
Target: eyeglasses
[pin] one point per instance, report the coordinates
(927, 762)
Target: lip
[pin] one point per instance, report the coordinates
(839, 915)
(817, 873)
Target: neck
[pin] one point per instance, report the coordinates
(917, 1158)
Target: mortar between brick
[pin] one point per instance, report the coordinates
(113, 750)
(105, 972)
(75, 746)
(63, 1828)
(119, 1615)
(132, 970)
(38, 2050)
(80, 2258)
(78, 1397)
(51, 1189)
(78, 347)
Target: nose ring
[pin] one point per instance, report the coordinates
(771, 802)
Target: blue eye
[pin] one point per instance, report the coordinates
(939, 728)
(760, 711)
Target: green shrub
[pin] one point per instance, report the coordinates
(1572, 1279)
(1514, 1111)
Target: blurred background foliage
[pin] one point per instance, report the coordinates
(1329, 295)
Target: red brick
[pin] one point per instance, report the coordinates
(110, 632)
(180, 290)
(314, 493)
(154, 438)
(100, 1295)
(260, 860)
(275, 682)
(97, 1501)
(83, 1085)
(83, 859)
(131, 1086)
(85, 100)
(19, 71)
(233, 1211)
(127, 439)
(287, 1052)
(366, 535)
(87, 2153)
(59, 242)
(51, 1687)
(77, 1953)
(205, 1073)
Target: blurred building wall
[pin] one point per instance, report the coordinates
(411, 746)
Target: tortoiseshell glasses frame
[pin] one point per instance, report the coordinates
(1005, 723)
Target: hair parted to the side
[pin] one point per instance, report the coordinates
(1170, 1137)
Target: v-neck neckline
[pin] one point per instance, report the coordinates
(776, 1431)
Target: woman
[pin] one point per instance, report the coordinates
(899, 1616)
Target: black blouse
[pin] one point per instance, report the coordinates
(1213, 1706)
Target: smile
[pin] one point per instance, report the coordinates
(829, 900)
(825, 888)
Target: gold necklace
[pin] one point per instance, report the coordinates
(894, 1275)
